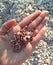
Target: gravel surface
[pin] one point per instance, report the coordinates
(18, 9)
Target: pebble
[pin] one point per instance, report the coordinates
(39, 2)
(48, 61)
(45, 64)
(30, 7)
(0, 22)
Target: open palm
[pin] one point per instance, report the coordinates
(34, 21)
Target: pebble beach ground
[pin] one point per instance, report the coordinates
(18, 9)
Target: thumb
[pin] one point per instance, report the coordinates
(6, 26)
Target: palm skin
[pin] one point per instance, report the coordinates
(7, 57)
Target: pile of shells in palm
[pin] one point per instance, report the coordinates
(20, 39)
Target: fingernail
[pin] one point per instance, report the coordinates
(39, 10)
(46, 12)
(47, 18)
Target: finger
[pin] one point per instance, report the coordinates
(7, 25)
(37, 20)
(38, 37)
(28, 19)
(37, 29)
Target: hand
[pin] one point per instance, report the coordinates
(37, 21)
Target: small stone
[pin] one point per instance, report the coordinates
(0, 22)
(45, 64)
(30, 7)
(40, 61)
(48, 61)
(27, 14)
(38, 56)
